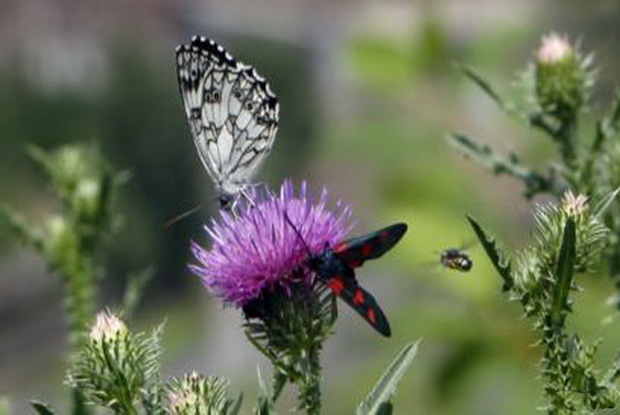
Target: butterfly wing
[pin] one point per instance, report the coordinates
(346, 287)
(370, 246)
(232, 112)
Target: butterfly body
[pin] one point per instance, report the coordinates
(232, 113)
(335, 267)
(457, 259)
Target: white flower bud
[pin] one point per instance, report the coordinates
(107, 326)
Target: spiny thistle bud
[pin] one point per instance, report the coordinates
(574, 205)
(553, 49)
(562, 78)
(539, 261)
(107, 328)
(115, 366)
(195, 394)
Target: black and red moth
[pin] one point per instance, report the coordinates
(335, 267)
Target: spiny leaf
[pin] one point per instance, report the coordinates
(602, 206)
(482, 84)
(497, 259)
(236, 405)
(378, 399)
(42, 408)
(565, 269)
(386, 408)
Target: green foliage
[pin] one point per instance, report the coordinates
(289, 329)
(378, 400)
(193, 394)
(42, 408)
(502, 265)
(565, 270)
(115, 366)
(555, 92)
(568, 240)
(70, 240)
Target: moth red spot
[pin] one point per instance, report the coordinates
(358, 297)
(343, 246)
(372, 316)
(366, 249)
(355, 264)
(336, 285)
(384, 235)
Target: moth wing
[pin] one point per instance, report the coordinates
(370, 246)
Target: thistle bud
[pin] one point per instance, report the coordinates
(562, 78)
(196, 394)
(574, 205)
(553, 49)
(107, 328)
(115, 365)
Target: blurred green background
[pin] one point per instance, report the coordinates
(368, 92)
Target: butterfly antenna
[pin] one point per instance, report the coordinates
(301, 238)
(183, 215)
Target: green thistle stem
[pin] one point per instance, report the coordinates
(556, 371)
(309, 387)
(79, 307)
(565, 138)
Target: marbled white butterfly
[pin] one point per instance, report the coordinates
(232, 113)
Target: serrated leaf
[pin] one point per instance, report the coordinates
(236, 406)
(485, 86)
(42, 408)
(386, 408)
(565, 269)
(379, 397)
(497, 258)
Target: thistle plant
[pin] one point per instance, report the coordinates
(115, 366)
(71, 239)
(258, 263)
(568, 241)
(555, 100)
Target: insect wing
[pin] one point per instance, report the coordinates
(347, 288)
(456, 259)
(370, 246)
(232, 112)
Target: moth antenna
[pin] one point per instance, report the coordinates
(183, 215)
(301, 238)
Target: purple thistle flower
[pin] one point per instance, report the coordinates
(257, 248)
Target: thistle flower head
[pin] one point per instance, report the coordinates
(196, 394)
(264, 245)
(553, 48)
(562, 77)
(574, 205)
(107, 326)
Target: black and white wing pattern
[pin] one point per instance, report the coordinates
(232, 112)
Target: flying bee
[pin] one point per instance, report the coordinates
(456, 258)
